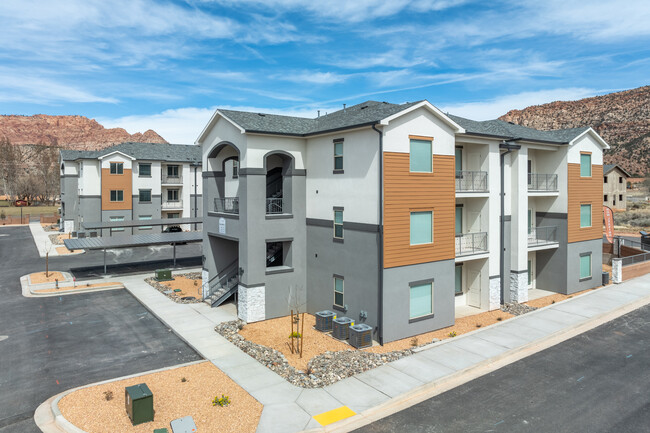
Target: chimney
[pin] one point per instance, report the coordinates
(319, 113)
(344, 108)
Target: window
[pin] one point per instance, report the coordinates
(172, 195)
(459, 279)
(421, 300)
(338, 155)
(459, 219)
(605, 197)
(173, 215)
(585, 215)
(338, 223)
(117, 195)
(421, 157)
(421, 228)
(172, 171)
(144, 170)
(459, 160)
(338, 291)
(585, 165)
(145, 218)
(145, 196)
(117, 168)
(605, 179)
(620, 197)
(235, 169)
(585, 266)
(620, 180)
(117, 229)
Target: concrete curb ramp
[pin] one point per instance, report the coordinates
(391, 387)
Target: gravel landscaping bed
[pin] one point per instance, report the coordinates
(322, 370)
(167, 287)
(517, 309)
(56, 239)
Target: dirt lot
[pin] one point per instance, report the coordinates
(274, 333)
(39, 277)
(90, 410)
(188, 286)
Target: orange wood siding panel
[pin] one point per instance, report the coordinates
(585, 190)
(116, 181)
(406, 192)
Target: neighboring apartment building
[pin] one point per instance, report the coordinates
(130, 181)
(615, 186)
(392, 214)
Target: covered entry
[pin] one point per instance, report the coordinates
(471, 286)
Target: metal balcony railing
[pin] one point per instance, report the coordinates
(172, 180)
(542, 182)
(171, 204)
(273, 206)
(471, 243)
(227, 205)
(471, 181)
(542, 235)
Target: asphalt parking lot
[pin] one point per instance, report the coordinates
(58, 343)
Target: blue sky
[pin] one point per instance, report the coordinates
(167, 65)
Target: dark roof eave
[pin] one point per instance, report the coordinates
(503, 137)
(310, 134)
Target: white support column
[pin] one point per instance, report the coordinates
(519, 226)
(493, 298)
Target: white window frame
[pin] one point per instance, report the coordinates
(116, 191)
(119, 167)
(342, 292)
(590, 215)
(335, 224)
(411, 228)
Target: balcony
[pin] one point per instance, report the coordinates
(542, 182)
(471, 181)
(471, 243)
(273, 206)
(172, 180)
(227, 205)
(171, 204)
(538, 236)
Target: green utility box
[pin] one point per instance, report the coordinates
(161, 430)
(139, 403)
(164, 274)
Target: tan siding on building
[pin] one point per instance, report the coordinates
(117, 182)
(406, 192)
(585, 190)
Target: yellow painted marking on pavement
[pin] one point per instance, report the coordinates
(332, 416)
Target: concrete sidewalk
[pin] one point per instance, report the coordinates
(288, 408)
(42, 240)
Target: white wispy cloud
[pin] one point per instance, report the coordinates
(493, 108)
(312, 77)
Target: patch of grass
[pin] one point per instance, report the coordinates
(10, 210)
(452, 334)
(223, 401)
(414, 342)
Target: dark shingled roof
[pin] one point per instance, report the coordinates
(609, 167)
(507, 130)
(141, 151)
(366, 113)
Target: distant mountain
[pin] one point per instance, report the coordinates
(621, 118)
(69, 132)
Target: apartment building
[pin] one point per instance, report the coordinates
(130, 181)
(615, 186)
(395, 215)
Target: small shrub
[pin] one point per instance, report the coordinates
(295, 334)
(196, 282)
(414, 342)
(309, 370)
(478, 325)
(108, 395)
(452, 334)
(499, 319)
(3, 215)
(87, 284)
(223, 401)
(183, 379)
(553, 301)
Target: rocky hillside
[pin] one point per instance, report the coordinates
(70, 132)
(622, 119)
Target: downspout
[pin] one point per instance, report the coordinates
(195, 193)
(509, 146)
(380, 316)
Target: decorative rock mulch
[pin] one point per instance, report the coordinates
(517, 309)
(322, 370)
(167, 291)
(54, 238)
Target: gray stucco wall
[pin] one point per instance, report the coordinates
(146, 208)
(356, 260)
(396, 299)
(506, 257)
(90, 208)
(106, 216)
(70, 198)
(574, 250)
(551, 265)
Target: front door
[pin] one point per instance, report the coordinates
(531, 270)
(474, 291)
